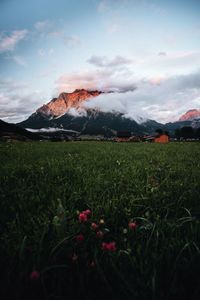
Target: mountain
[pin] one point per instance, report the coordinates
(190, 118)
(11, 131)
(58, 113)
(66, 101)
(190, 115)
(68, 112)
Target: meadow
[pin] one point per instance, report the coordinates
(100, 220)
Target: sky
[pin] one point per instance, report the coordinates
(146, 51)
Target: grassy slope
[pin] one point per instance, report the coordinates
(157, 183)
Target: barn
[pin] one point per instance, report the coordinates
(162, 139)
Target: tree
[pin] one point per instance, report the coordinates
(177, 133)
(187, 132)
(166, 133)
(197, 133)
(159, 132)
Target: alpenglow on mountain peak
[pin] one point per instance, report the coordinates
(65, 101)
(190, 115)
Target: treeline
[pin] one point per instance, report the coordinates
(187, 132)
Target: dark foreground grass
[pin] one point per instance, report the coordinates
(43, 188)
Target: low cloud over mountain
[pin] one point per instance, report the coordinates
(162, 99)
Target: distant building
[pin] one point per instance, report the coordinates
(162, 139)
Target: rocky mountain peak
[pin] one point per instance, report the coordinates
(65, 101)
(190, 115)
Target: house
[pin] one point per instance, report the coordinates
(162, 139)
(148, 138)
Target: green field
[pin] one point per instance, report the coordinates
(44, 186)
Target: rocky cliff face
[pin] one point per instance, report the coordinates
(61, 105)
(190, 115)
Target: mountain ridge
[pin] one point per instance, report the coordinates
(57, 114)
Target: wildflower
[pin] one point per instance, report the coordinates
(94, 226)
(132, 225)
(34, 275)
(87, 212)
(100, 234)
(110, 247)
(102, 221)
(83, 217)
(80, 238)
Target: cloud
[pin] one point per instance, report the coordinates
(162, 54)
(42, 52)
(43, 25)
(17, 100)
(8, 42)
(113, 28)
(103, 61)
(49, 129)
(133, 96)
(160, 98)
(102, 6)
(98, 61)
(175, 62)
(104, 80)
(19, 60)
(72, 41)
(69, 40)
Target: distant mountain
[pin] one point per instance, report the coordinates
(57, 113)
(68, 112)
(13, 131)
(190, 118)
(190, 115)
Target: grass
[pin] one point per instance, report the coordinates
(44, 187)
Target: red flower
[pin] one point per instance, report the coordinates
(34, 275)
(110, 247)
(94, 226)
(87, 212)
(83, 217)
(80, 238)
(132, 225)
(100, 234)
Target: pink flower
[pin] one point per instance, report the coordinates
(83, 217)
(80, 238)
(87, 212)
(100, 234)
(132, 225)
(34, 275)
(94, 226)
(110, 247)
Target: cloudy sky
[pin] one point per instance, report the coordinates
(147, 51)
